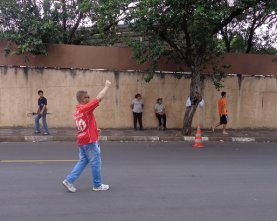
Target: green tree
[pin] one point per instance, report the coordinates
(31, 24)
(254, 31)
(183, 30)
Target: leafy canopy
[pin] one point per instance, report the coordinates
(183, 30)
(31, 24)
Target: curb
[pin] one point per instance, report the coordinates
(243, 139)
(191, 138)
(12, 139)
(136, 138)
(38, 138)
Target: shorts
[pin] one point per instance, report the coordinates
(223, 119)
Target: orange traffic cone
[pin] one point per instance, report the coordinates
(198, 139)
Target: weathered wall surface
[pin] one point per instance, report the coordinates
(121, 59)
(252, 101)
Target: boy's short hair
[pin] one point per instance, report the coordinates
(40, 91)
(137, 95)
(223, 93)
(80, 95)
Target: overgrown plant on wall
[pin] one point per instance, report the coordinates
(186, 31)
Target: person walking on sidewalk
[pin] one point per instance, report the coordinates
(41, 113)
(89, 148)
(137, 106)
(222, 110)
(160, 114)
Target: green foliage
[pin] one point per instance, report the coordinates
(218, 79)
(254, 31)
(21, 25)
(31, 25)
(184, 30)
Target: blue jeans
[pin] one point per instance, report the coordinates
(88, 154)
(43, 122)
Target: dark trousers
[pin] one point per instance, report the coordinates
(137, 117)
(160, 118)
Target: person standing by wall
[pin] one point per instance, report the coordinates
(137, 107)
(89, 148)
(41, 113)
(160, 113)
(222, 110)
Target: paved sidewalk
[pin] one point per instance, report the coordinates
(20, 134)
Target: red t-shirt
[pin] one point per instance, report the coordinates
(85, 122)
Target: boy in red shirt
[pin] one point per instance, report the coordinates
(89, 149)
(222, 110)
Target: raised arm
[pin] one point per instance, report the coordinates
(103, 92)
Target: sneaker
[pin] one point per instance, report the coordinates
(103, 187)
(37, 132)
(69, 186)
(45, 133)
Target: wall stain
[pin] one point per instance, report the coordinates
(240, 79)
(161, 75)
(5, 70)
(262, 101)
(173, 99)
(40, 70)
(73, 73)
(26, 73)
(116, 77)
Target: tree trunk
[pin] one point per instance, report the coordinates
(195, 97)
(64, 20)
(189, 114)
(76, 25)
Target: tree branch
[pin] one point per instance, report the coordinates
(233, 15)
(74, 28)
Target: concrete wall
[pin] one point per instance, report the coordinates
(121, 59)
(252, 101)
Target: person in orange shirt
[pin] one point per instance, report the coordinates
(222, 110)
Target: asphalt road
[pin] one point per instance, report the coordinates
(149, 182)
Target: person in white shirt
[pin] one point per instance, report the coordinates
(137, 106)
(160, 113)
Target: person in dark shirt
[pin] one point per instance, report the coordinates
(41, 113)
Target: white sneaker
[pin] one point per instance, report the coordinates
(69, 186)
(103, 187)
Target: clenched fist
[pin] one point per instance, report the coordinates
(108, 83)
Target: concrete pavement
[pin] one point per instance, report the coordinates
(20, 134)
